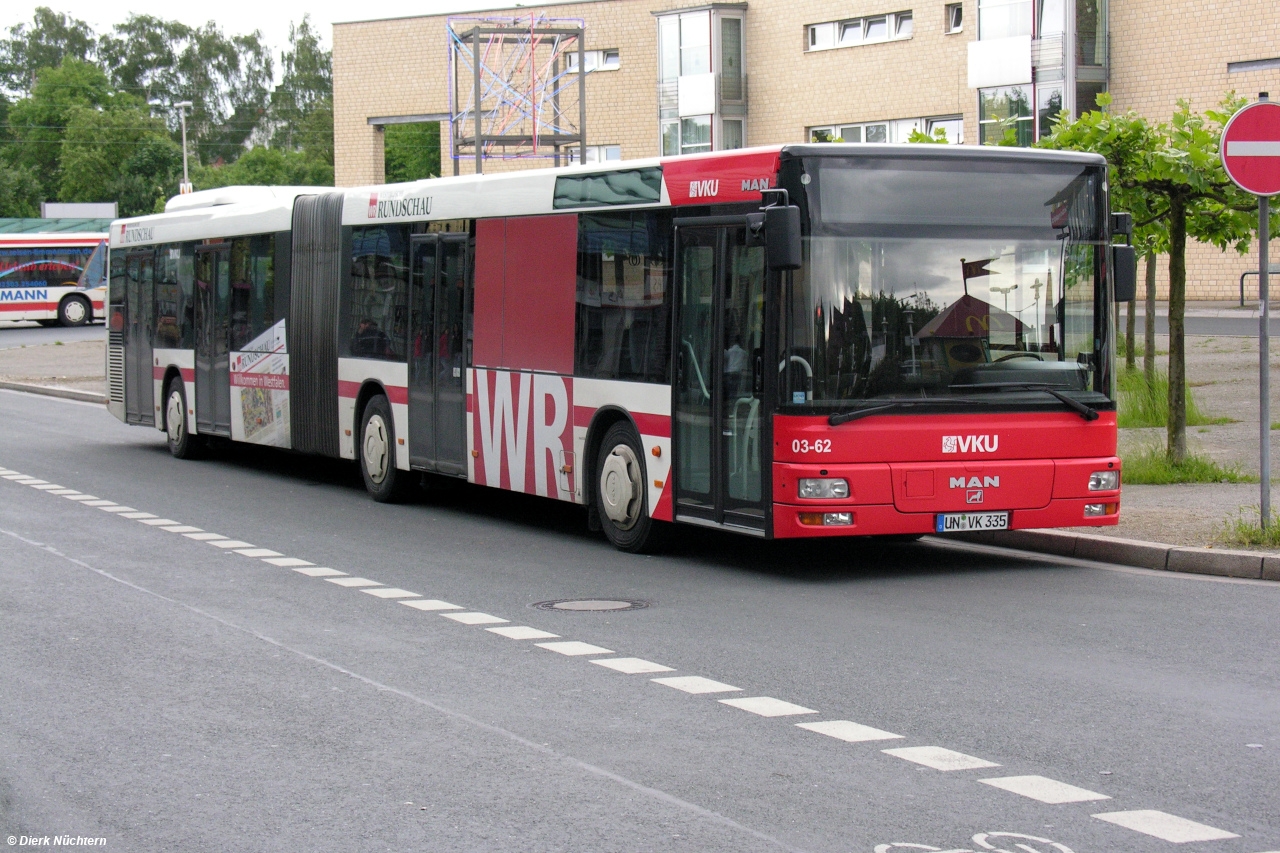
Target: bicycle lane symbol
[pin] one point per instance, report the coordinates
(985, 842)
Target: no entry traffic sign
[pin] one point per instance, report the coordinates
(1251, 148)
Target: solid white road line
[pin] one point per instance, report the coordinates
(355, 582)
(1044, 790)
(156, 522)
(229, 543)
(574, 648)
(117, 508)
(179, 528)
(632, 666)
(473, 618)
(287, 562)
(136, 515)
(695, 684)
(847, 730)
(391, 592)
(204, 537)
(430, 604)
(258, 552)
(941, 759)
(320, 572)
(767, 706)
(523, 632)
(1166, 827)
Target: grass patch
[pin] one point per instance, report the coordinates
(1245, 528)
(1143, 405)
(1151, 467)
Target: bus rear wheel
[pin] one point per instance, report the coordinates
(182, 444)
(74, 311)
(620, 493)
(377, 454)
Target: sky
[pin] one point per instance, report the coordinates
(241, 16)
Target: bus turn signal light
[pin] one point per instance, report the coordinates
(657, 451)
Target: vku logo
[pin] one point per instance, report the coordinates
(704, 189)
(970, 443)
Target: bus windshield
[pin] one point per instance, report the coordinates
(928, 278)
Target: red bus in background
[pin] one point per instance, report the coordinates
(796, 341)
(54, 278)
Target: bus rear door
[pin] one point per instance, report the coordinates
(720, 430)
(438, 289)
(213, 332)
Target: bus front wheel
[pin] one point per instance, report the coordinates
(74, 311)
(377, 454)
(620, 491)
(182, 444)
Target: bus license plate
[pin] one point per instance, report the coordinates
(956, 522)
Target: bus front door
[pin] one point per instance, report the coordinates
(720, 435)
(213, 332)
(437, 354)
(139, 398)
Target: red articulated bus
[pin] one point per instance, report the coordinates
(796, 341)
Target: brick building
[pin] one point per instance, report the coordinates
(667, 78)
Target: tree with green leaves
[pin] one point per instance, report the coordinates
(412, 151)
(50, 38)
(302, 105)
(1170, 176)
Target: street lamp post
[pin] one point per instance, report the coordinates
(1006, 291)
(183, 106)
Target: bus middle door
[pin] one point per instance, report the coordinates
(213, 333)
(139, 400)
(438, 288)
(720, 431)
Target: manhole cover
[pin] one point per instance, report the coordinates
(592, 604)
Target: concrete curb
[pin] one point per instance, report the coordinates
(1223, 562)
(64, 393)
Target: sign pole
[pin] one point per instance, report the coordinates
(1264, 350)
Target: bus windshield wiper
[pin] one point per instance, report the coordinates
(1085, 411)
(896, 405)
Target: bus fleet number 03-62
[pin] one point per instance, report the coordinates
(803, 445)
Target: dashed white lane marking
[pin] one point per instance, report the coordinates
(179, 528)
(81, 497)
(287, 562)
(229, 543)
(100, 502)
(32, 481)
(355, 582)
(630, 666)
(391, 592)
(136, 515)
(16, 476)
(431, 604)
(1043, 789)
(573, 648)
(847, 730)
(117, 508)
(473, 618)
(522, 632)
(204, 537)
(44, 487)
(767, 706)
(258, 552)
(1166, 827)
(695, 684)
(156, 522)
(64, 492)
(319, 572)
(947, 760)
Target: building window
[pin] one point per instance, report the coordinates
(873, 29)
(998, 19)
(954, 22)
(695, 134)
(869, 132)
(1048, 105)
(1003, 108)
(732, 135)
(596, 60)
(596, 154)
(952, 126)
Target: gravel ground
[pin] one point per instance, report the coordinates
(1222, 371)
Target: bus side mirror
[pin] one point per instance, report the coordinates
(1124, 272)
(782, 237)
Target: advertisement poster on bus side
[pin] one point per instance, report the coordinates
(260, 390)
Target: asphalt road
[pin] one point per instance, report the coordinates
(164, 692)
(26, 334)
(1221, 326)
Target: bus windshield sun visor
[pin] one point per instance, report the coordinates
(630, 186)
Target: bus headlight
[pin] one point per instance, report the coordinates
(827, 487)
(1104, 481)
